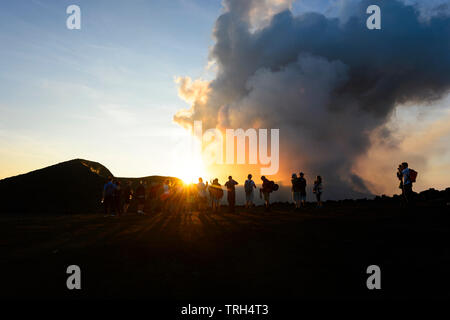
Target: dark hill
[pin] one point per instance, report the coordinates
(73, 186)
(67, 187)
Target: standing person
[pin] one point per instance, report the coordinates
(152, 197)
(265, 191)
(302, 185)
(108, 196)
(407, 184)
(201, 193)
(295, 190)
(127, 196)
(231, 193)
(318, 190)
(118, 198)
(248, 187)
(165, 195)
(140, 196)
(216, 194)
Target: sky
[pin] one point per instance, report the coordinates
(109, 92)
(105, 92)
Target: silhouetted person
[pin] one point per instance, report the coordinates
(295, 190)
(302, 185)
(140, 196)
(249, 186)
(152, 202)
(407, 184)
(216, 194)
(201, 194)
(265, 191)
(127, 196)
(118, 198)
(165, 196)
(231, 193)
(318, 190)
(108, 196)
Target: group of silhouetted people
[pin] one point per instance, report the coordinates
(299, 190)
(216, 192)
(173, 195)
(116, 199)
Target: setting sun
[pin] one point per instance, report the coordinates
(187, 162)
(190, 171)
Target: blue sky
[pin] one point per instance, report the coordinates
(105, 92)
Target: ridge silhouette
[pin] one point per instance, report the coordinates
(73, 186)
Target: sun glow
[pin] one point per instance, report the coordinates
(191, 170)
(187, 162)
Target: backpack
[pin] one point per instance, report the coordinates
(248, 186)
(412, 175)
(273, 186)
(216, 191)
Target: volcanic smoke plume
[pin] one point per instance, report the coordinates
(326, 83)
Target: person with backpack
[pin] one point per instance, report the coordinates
(231, 193)
(140, 196)
(409, 176)
(248, 188)
(216, 194)
(317, 189)
(108, 196)
(127, 196)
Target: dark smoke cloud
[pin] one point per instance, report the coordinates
(327, 84)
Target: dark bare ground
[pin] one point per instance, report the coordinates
(282, 254)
